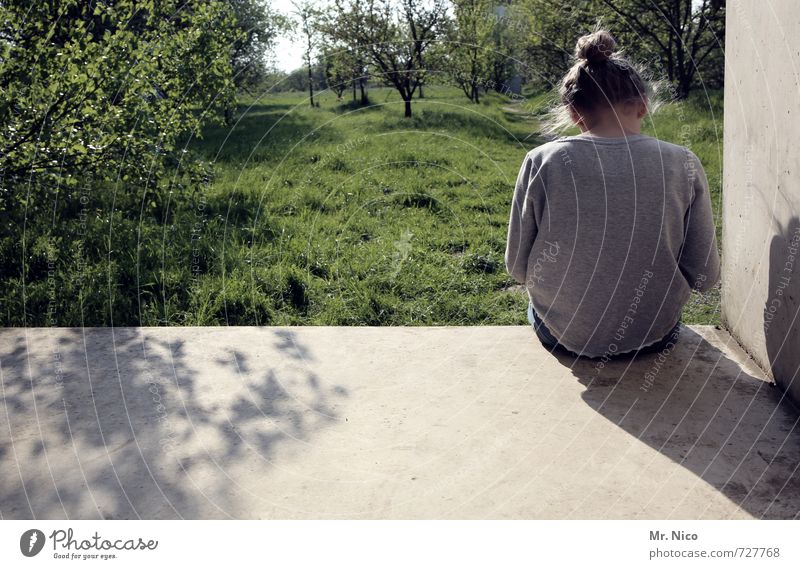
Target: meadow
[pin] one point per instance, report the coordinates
(333, 215)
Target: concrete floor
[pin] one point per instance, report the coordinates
(477, 422)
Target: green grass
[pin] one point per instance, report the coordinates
(363, 216)
(336, 215)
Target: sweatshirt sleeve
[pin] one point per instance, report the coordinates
(522, 224)
(699, 259)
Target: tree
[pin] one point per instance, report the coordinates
(470, 35)
(259, 26)
(360, 73)
(105, 89)
(308, 18)
(341, 30)
(395, 36)
(680, 34)
(553, 27)
(338, 66)
(505, 45)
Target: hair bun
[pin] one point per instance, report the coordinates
(596, 47)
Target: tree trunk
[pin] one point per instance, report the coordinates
(308, 61)
(310, 86)
(408, 106)
(475, 96)
(467, 91)
(364, 98)
(354, 90)
(684, 85)
(421, 95)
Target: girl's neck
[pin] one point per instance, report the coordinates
(611, 130)
(617, 122)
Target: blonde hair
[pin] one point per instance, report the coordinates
(601, 77)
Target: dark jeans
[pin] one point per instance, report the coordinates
(549, 341)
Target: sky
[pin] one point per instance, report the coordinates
(288, 50)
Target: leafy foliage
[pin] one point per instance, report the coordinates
(259, 26)
(105, 88)
(679, 37)
(470, 60)
(395, 37)
(96, 100)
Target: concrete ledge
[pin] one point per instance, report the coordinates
(317, 422)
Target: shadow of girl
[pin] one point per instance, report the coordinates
(703, 411)
(782, 308)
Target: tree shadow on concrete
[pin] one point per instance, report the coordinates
(703, 411)
(782, 308)
(125, 424)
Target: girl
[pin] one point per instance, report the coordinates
(610, 229)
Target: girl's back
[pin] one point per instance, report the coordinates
(607, 269)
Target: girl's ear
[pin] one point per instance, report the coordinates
(641, 109)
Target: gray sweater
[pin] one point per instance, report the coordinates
(609, 236)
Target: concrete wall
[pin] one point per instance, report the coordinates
(761, 211)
